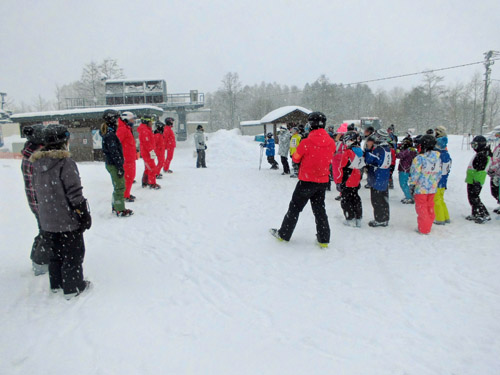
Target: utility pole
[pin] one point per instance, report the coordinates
(3, 95)
(488, 62)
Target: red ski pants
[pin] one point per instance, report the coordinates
(424, 205)
(170, 156)
(149, 170)
(129, 168)
(161, 158)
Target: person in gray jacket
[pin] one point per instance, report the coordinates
(284, 148)
(63, 211)
(199, 141)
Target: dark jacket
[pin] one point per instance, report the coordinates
(406, 157)
(379, 162)
(111, 147)
(27, 169)
(57, 185)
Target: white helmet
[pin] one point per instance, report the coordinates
(128, 116)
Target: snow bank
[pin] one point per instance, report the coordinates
(8, 141)
(193, 283)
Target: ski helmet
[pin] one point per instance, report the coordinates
(146, 119)
(430, 132)
(317, 120)
(34, 133)
(479, 143)
(128, 117)
(55, 134)
(417, 140)
(295, 130)
(169, 121)
(199, 127)
(407, 143)
(160, 126)
(381, 136)
(269, 135)
(350, 138)
(440, 131)
(110, 116)
(427, 142)
(351, 127)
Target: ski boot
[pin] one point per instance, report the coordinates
(322, 245)
(86, 289)
(338, 197)
(155, 186)
(482, 219)
(124, 213)
(408, 201)
(274, 233)
(170, 171)
(497, 210)
(471, 218)
(375, 223)
(130, 199)
(159, 176)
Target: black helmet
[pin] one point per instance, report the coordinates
(351, 127)
(430, 132)
(169, 121)
(269, 135)
(199, 127)
(55, 134)
(317, 120)
(160, 126)
(417, 140)
(350, 138)
(34, 133)
(407, 142)
(479, 143)
(110, 116)
(427, 142)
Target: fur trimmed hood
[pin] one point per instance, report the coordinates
(51, 154)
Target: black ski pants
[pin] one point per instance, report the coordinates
(478, 208)
(307, 191)
(200, 161)
(274, 163)
(66, 260)
(351, 203)
(284, 162)
(380, 204)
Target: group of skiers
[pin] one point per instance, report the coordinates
(344, 155)
(120, 153)
(54, 191)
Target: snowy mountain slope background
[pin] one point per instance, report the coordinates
(193, 283)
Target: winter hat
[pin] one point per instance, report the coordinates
(442, 143)
(391, 128)
(199, 127)
(440, 131)
(430, 132)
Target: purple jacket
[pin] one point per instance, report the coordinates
(405, 159)
(27, 169)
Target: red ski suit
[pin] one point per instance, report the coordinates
(147, 144)
(159, 151)
(169, 137)
(315, 156)
(348, 156)
(126, 137)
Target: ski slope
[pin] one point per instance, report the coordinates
(194, 284)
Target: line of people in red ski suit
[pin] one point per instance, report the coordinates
(152, 146)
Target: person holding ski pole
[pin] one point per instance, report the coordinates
(315, 154)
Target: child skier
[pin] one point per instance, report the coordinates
(378, 159)
(269, 146)
(424, 175)
(39, 255)
(440, 208)
(147, 146)
(113, 156)
(169, 136)
(315, 155)
(294, 143)
(494, 173)
(284, 148)
(63, 211)
(159, 147)
(406, 155)
(125, 134)
(476, 176)
(349, 178)
(199, 141)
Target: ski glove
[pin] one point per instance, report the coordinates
(83, 212)
(120, 172)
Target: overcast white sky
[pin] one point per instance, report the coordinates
(192, 44)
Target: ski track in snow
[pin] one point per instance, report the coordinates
(193, 282)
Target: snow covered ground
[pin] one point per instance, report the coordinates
(193, 283)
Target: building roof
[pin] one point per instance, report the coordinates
(250, 123)
(285, 114)
(84, 113)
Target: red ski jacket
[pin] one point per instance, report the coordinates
(349, 169)
(159, 145)
(126, 137)
(169, 136)
(146, 140)
(315, 155)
